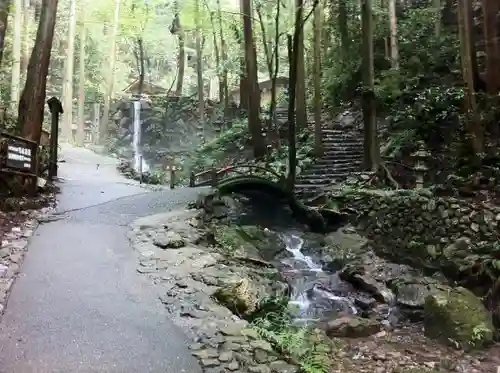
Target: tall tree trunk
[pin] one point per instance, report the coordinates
(269, 59)
(199, 61)
(254, 125)
(342, 25)
(67, 117)
(318, 132)
(4, 17)
(437, 24)
(371, 150)
(224, 59)
(490, 11)
(300, 89)
(110, 79)
(16, 56)
(32, 100)
(276, 66)
(244, 89)
(80, 131)
(393, 22)
(140, 65)
(218, 58)
(293, 58)
(25, 54)
(473, 123)
(181, 62)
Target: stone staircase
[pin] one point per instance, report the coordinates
(343, 156)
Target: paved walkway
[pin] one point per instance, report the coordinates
(79, 305)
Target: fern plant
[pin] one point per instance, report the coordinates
(296, 343)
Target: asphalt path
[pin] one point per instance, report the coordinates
(79, 305)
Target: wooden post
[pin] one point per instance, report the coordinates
(95, 122)
(34, 180)
(172, 177)
(192, 180)
(141, 176)
(213, 177)
(55, 108)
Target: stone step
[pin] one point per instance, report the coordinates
(339, 148)
(323, 181)
(327, 174)
(342, 140)
(342, 144)
(340, 134)
(332, 157)
(333, 161)
(330, 170)
(336, 163)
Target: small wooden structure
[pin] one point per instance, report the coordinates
(148, 88)
(265, 90)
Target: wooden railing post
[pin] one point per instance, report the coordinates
(192, 180)
(173, 170)
(172, 178)
(213, 177)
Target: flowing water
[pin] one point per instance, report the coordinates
(139, 164)
(315, 293)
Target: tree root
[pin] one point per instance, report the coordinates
(388, 175)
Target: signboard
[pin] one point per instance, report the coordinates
(18, 155)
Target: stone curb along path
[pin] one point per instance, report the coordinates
(186, 275)
(13, 248)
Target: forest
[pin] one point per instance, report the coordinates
(383, 111)
(417, 70)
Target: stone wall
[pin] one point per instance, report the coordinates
(416, 227)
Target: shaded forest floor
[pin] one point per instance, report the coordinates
(406, 349)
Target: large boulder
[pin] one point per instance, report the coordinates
(240, 297)
(336, 249)
(168, 240)
(352, 327)
(457, 316)
(249, 241)
(411, 292)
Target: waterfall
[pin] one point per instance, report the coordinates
(139, 163)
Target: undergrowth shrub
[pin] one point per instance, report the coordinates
(274, 322)
(233, 146)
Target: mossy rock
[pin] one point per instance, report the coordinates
(248, 241)
(239, 297)
(456, 316)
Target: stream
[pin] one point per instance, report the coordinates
(316, 294)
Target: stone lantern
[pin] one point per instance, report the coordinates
(420, 157)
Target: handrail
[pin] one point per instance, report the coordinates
(217, 174)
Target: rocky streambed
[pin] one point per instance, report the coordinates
(229, 281)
